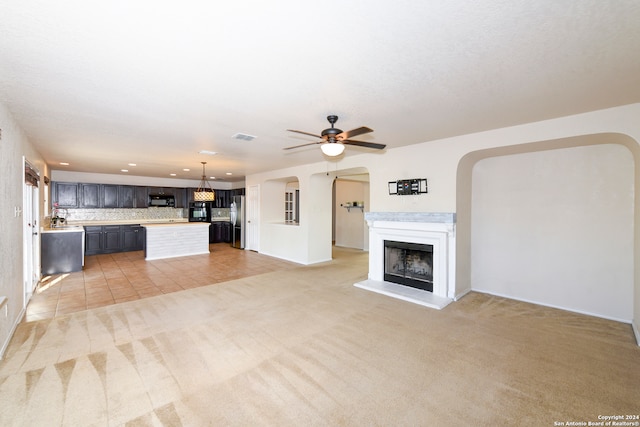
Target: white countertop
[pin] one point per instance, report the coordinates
(177, 224)
(63, 229)
(128, 221)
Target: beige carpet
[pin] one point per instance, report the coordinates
(305, 347)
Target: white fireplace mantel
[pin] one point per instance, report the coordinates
(437, 229)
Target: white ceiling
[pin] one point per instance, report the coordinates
(103, 84)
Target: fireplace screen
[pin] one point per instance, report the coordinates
(409, 264)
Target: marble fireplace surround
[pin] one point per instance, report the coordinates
(430, 228)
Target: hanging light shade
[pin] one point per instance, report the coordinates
(204, 193)
(332, 149)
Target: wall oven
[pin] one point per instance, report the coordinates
(200, 212)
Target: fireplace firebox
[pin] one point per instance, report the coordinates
(409, 264)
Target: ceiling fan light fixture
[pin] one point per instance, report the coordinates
(332, 149)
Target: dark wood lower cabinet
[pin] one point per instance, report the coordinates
(220, 231)
(108, 239)
(132, 238)
(226, 232)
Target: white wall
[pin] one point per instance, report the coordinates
(553, 227)
(13, 146)
(349, 223)
(447, 164)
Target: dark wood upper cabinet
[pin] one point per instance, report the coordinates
(181, 197)
(141, 197)
(126, 195)
(89, 196)
(167, 191)
(65, 194)
(110, 196)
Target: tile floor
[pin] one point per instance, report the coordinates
(126, 276)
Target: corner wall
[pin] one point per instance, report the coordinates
(13, 146)
(555, 227)
(445, 164)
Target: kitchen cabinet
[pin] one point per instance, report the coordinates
(65, 194)
(169, 191)
(220, 231)
(223, 199)
(226, 232)
(141, 197)
(110, 195)
(215, 232)
(126, 195)
(111, 240)
(181, 197)
(92, 240)
(61, 252)
(132, 238)
(106, 239)
(107, 196)
(89, 196)
(96, 196)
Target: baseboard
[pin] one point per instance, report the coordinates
(5, 345)
(587, 313)
(461, 294)
(636, 332)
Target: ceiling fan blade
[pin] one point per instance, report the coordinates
(364, 144)
(303, 145)
(353, 132)
(304, 133)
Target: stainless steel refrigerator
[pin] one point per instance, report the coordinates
(237, 214)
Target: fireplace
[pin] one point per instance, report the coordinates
(420, 265)
(409, 264)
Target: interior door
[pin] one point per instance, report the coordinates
(252, 211)
(30, 214)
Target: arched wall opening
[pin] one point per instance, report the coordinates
(552, 222)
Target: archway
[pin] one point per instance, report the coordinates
(473, 227)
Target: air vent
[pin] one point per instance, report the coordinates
(244, 137)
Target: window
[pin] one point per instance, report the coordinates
(291, 205)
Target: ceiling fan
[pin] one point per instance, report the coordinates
(334, 139)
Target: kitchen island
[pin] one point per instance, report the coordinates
(172, 240)
(62, 249)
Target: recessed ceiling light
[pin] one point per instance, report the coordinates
(124, 170)
(64, 163)
(172, 174)
(186, 169)
(229, 173)
(212, 177)
(210, 153)
(132, 164)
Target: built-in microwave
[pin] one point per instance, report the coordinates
(200, 212)
(162, 200)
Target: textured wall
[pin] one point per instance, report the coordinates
(13, 146)
(556, 227)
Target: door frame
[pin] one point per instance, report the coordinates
(252, 211)
(31, 237)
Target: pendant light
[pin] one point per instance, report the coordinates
(204, 193)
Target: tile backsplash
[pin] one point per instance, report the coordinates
(123, 214)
